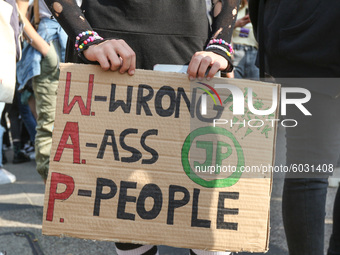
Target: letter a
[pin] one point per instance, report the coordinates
(71, 130)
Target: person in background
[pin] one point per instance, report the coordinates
(245, 46)
(10, 29)
(289, 35)
(40, 62)
(147, 33)
(28, 120)
(5, 176)
(15, 127)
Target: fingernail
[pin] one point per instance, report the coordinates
(132, 72)
(208, 78)
(200, 78)
(191, 78)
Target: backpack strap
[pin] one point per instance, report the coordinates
(36, 13)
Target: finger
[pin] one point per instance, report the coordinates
(126, 60)
(132, 68)
(213, 70)
(205, 63)
(129, 60)
(125, 55)
(115, 61)
(132, 56)
(194, 65)
(103, 61)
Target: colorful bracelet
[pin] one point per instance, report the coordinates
(214, 46)
(85, 38)
(221, 41)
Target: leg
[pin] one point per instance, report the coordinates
(334, 245)
(13, 115)
(45, 89)
(251, 70)
(313, 142)
(239, 61)
(5, 176)
(28, 118)
(303, 208)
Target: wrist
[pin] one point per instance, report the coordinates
(85, 39)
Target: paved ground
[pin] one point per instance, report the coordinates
(21, 208)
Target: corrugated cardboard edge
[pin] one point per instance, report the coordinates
(277, 113)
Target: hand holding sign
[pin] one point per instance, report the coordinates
(114, 55)
(202, 60)
(117, 55)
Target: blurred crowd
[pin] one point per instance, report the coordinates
(27, 120)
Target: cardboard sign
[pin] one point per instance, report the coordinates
(137, 159)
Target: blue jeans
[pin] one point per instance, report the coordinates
(314, 141)
(244, 62)
(28, 119)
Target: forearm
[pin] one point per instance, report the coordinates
(69, 16)
(224, 21)
(225, 13)
(36, 40)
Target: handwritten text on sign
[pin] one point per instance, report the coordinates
(124, 154)
(71, 131)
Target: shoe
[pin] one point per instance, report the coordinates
(20, 157)
(32, 156)
(28, 148)
(6, 177)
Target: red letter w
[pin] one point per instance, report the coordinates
(68, 107)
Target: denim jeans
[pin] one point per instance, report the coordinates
(28, 118)
(244, 62)
(313, 142)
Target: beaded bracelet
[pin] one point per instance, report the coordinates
(221, 41)
(83, 45)
(220, 48)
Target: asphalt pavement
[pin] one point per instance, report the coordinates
(21, 210)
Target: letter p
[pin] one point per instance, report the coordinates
(57, 178)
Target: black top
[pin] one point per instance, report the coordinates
(159, 31)
(299, 39)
